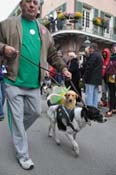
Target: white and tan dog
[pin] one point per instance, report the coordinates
(70, 118)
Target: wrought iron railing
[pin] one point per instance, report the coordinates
(83, 25)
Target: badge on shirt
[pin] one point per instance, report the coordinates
(32, 31)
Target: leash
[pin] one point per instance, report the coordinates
(77, 92)
(38, 65)
(51, 76)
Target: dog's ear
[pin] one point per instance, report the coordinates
(65, 95)
(77, 96)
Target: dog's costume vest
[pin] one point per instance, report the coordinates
(64, 118)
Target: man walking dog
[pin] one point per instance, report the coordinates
(24, 43)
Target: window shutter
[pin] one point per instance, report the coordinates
(95, 12)
(78, 8)
(95, 28)
(114, 25)
(114, 21)
(102, 14)
(101, 31)
(63, 7)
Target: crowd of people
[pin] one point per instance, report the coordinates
(24, 42)
(97, 70)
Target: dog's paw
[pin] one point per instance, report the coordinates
(57, 141)
(76, 150)
(50, 134)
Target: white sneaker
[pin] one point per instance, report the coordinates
(26, 164)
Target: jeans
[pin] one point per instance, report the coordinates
(91, 95)
(2, 98)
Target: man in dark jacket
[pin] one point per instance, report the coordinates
(93, 75)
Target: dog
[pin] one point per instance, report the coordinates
(46, 86)
(71, 119)
(68, 99)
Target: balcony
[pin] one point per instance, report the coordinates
(78, 28)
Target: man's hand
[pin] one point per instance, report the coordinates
(10, 52)
(66, 73)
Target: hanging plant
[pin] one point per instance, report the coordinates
(74, 17)
(100, 22)
(61, 15)
(104, 23)
(65, 15)
(78, 15)
(97, 21)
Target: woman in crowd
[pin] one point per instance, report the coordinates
(106, 59)
(111, 78)
(73, 67)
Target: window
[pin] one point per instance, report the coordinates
(108, 19)
(86, 18)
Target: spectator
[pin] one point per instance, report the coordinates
(82, 67)
(106, 59)
(111, 78)
(59, 76)
(24, 43)
(93, 76)
(85, 56)
(73, 67)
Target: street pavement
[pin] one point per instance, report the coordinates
(97, 150)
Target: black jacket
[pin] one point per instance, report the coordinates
(93, 69)
(73, 67)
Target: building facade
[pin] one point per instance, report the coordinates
(82, 22)
(97, 23)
